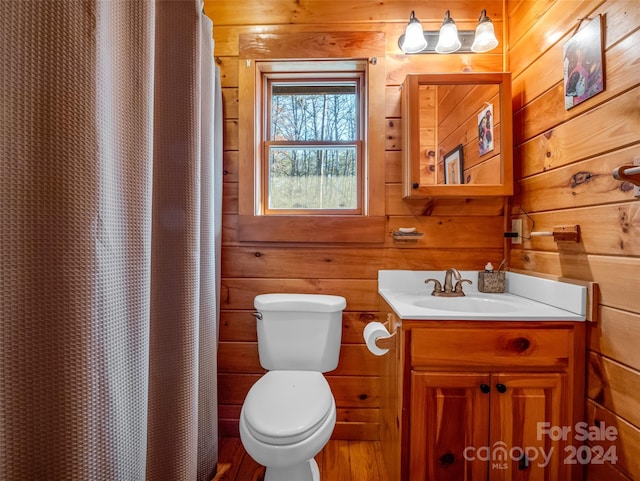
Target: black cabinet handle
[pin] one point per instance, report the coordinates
(485, 388)
(501, 388)
(447, 459)
(523, 463)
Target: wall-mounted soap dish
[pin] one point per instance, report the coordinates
(413, 236)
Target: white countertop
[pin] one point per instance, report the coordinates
(526, 298)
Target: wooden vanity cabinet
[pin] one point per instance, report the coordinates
(483, 400)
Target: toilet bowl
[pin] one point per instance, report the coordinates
(286, 420)
(289, 414)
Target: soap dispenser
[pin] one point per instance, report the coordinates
(491, 281)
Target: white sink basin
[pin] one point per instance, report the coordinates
(526, 298)
(468, 304)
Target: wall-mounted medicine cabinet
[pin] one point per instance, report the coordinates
(457, 135)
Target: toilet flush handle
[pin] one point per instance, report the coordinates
(257, 315)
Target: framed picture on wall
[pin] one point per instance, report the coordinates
(583, 64)
(453, 163)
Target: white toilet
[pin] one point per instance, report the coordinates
(289, 413)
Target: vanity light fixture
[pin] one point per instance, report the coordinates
(449, 39)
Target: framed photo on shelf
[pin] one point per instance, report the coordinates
(453, 163)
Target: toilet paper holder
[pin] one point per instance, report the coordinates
(375, 331)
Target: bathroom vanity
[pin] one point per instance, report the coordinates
(476, 394)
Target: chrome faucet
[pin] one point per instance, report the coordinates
(448, 290)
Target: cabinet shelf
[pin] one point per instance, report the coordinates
(445, 119)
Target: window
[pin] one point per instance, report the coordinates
(312, 146)
(311, 138)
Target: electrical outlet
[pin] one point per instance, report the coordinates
(516, 226)
(636, 188)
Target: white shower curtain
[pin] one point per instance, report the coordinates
(110, 191)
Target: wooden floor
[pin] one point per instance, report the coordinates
(338, 461)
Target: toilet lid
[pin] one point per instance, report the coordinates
(284, 407)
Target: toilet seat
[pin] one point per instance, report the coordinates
(285, 407)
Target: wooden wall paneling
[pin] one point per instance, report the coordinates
(538, 78)
(393, 134)
(602, 129)
(398, 66)
(238, 293)
(226, 37)
(605, 472)
(609, 229)
(613, 385)
(229, 229)
(233, 388)
(237, 325)
(242, 357)
(229, 71)
(622, 19)
(625, 442)
(302, 262)
(621, 73)
(239, 357)
(230, 103)
(317, 45)
(581, 184)
(230, 134)
(527, 12)
(441, 259)
(392, 101)
(393, 171)
(319, 229)
(561, 18)
(396, 206)
(230, 166)
(240, 325)
(487, 172)
(444, 232)
(230, 198)
(617, 277)
(335, 12)
(616, 336)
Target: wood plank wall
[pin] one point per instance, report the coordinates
(463, 233)
(564, 164)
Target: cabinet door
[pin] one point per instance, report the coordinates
(527, 410)
(457, 135)
(449, 413)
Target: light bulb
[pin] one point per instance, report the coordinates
(448, 41)
(414, 40)
(485, 37)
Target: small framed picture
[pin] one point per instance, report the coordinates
(485, 130)
(583, 64)
(453, 162)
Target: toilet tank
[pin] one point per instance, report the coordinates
(299, 332)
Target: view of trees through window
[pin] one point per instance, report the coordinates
(313, 145)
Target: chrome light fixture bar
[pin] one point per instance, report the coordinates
(449, 39)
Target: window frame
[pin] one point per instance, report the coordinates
(327, 73)
(308, 50)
